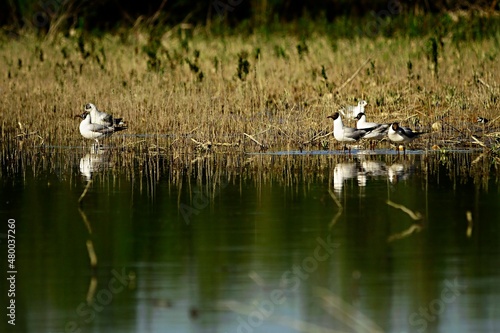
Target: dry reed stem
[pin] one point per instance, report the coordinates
(352, 76)
(478, 142)
(262, 147)
(318, 138)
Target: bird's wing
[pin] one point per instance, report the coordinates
(107, 118)
(406, 131)
(100, 128)
(354, 133)
(381, 128)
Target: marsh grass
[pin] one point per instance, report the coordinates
(178, 85)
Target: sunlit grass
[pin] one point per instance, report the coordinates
(181, 84)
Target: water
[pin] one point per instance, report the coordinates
(305, 242)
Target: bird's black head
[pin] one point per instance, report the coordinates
(358, 117)
(81, 116)
(88, 107)
(482, 120)
(334, 116)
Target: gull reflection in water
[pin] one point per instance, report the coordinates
(368, 169)
(342, 172)
(396, 172)
(94, 161)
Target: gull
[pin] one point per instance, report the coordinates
(346, 134)
(482, 120)
(90, 130)
(403, 135)
(102, 118)
(353, 110)
(378, 131)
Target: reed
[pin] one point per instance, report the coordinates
(178, 85)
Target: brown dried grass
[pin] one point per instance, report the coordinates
(282, 103)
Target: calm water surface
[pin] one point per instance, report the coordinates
(252, 243)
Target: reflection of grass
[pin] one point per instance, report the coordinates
(169, 84)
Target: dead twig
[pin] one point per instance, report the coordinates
(485, 84)
(203, 145)
(318, 137)
(262, 147)
(479, 142)
(25, 135)
(353, 75)
(226, 144)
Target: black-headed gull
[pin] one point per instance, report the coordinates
(90, 130)
(343, 133)
(482, 120)
(102, 118)
(378, 131)
(353, 110)
(401, 134)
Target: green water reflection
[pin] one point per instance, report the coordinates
(257, 243)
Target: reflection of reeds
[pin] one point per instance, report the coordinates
(285, 321)
(414, 215)
(89, 183)
(468, 232)
(145, 168)
(339, 205)
(345, 312)
(414, 228)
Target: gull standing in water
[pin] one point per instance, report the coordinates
(103, 127)
(353, 110)
(346, 134)
(402, 135)
(378, 131)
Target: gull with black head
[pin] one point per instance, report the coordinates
(377, 131)
(97, 125)
(346, 134)
(399, 134)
